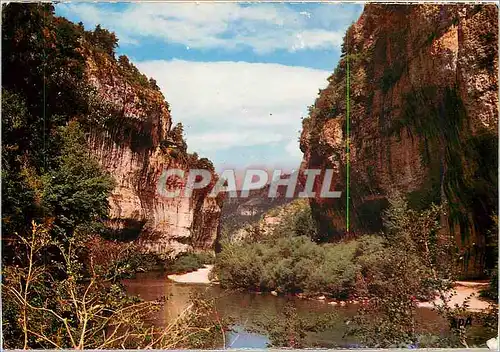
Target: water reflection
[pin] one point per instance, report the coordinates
(246, 309)
(239, 337)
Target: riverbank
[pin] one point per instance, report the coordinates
(248, 310)
(464, 290)
(199, 276)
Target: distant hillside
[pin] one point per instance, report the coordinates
(239, 212)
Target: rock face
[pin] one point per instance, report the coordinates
(424, 114)
(136, 143)
(238, 212)
(59, 72)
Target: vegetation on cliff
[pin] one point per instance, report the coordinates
(60, 278)
(423, 125)
(425, 130)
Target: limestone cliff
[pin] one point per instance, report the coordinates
(56, 72)
(134, 140)
(424, 114)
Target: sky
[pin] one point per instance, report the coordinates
(239, 76)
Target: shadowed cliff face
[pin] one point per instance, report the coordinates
(424, 120)
(134, 142)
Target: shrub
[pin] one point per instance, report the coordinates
(492, 291)
(206, 257)
(240, 266)
(492, 238)
(295, 220)
(288, 329)
(304, 224)
(371, 255)
(187, 262)
(69, 304)
(115, 260)
(415, 262)
(290, 264)
(335, 275)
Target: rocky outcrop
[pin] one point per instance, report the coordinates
(57, 72)
(134, 140)
(424, 114)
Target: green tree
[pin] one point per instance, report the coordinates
(76, 191)
(18, 196)
(44, 88)
(104, 39)
(288, 329)
(177, 135)
(418, 261)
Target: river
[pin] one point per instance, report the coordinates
(245, 309)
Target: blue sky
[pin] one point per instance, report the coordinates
(238, 76)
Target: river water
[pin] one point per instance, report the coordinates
(245, 310)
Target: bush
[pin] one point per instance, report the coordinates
(289, 329)
(295, 220)
(336, 275)
(206, 257)
(115, 260)
(416, 262)
(71, 305)
(188, 262)
(240, 266)
(295, 264)
(371, 254)
(492, 291)
(305, 225)
(492, 238)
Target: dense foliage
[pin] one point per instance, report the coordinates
(413, 260)
(295, 218)
(289, 329)
(187, 262)
(421, 260)
(83, 308)
(60, 278)
(286, 257)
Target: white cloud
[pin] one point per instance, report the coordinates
(220, 140)
(251, 107)
(293, 149)
(224, 105)
(264, 28)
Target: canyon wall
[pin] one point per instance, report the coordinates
(423, 121)
(134, 140)
(57, 72)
